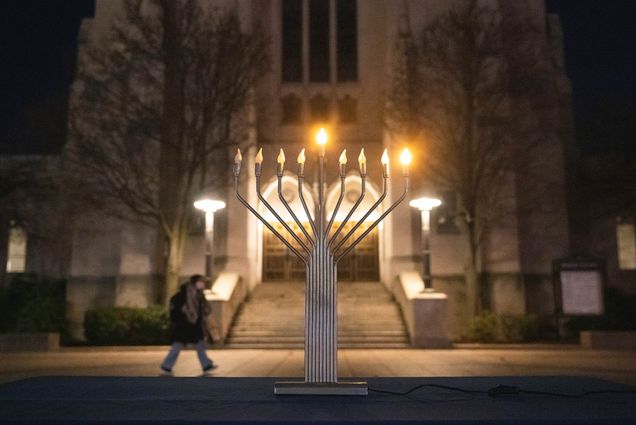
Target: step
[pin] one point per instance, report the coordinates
(300, 332)
(288, 346)
(273, 317)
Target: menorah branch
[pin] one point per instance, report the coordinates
(278, 217)
(338, 257)
(269, 226)
(337, 207)
(364, 217)
(302, 201)
(291, 212)
(363, 190)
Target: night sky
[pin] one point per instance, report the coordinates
(38, 53)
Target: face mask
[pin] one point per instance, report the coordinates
(200, 285)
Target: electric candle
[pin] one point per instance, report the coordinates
(301, 163)
(258, 162)
(405, 159)
(281, 162)
(362, 160)
(321, 139)
(385, 163)
(237, 162)
(343, 163)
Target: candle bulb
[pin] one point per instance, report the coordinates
(281, 162)
(385, 163)
(343, 163)
(405, 159)
(362, 160)
(301, 163)
(237, 162)
(321, 139)
(258, 161)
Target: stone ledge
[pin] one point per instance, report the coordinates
(608, 339)
(423, 312)
(251, 401)
(29, 342)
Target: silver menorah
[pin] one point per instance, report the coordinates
(321, 252)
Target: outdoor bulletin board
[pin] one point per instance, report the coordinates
(579, 286)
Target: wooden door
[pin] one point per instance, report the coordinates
(362, 263)
(279, 264)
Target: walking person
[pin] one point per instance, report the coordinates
(188, 313)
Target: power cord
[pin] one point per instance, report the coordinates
(502, 390)
(443, 387)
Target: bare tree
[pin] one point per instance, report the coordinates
(159, 100)
(473, 90)
(608, 184)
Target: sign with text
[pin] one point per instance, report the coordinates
(581, 287)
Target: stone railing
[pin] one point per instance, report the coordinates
(424, 312)
(615, 340)
(225, 297)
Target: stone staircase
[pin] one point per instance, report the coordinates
(273, 317)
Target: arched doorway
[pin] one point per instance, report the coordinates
(279, 263)
(361, 264)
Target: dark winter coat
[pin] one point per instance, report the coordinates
(181, 329)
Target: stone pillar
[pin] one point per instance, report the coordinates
(429, 321)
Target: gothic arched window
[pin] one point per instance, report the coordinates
(16, 255)
(292, 110)
(319, 108)
(348, 109)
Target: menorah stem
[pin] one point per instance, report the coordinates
(338, 257)
(291, 212)
(364, 217)
(363, 190)
(335, 210)
(278, 217)
(302, 201)
(321, 195)
(321, 318)
(269, 226)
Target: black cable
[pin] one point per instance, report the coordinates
(444, 387)
(501, 390)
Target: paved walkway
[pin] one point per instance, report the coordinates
(619, 366)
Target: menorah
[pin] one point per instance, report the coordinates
(320, 251)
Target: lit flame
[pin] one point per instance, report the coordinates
(405, 157)
(301, 156)
(361, 158)
(321, 137)
(385, 157)
(259, 156)
(238, 157)
(281, 157)
(343, 157)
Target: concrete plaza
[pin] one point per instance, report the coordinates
(532, 360)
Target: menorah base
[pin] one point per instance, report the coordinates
(309, 388)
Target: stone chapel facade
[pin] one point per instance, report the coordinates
(332, 62)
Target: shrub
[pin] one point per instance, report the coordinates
(127, 326)
(482, 328)
(519, 328)
(33, 304)
(490, 327)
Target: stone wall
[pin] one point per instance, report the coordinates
(506, 293)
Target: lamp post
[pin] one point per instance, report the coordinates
(425, 205)
(209, 206)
